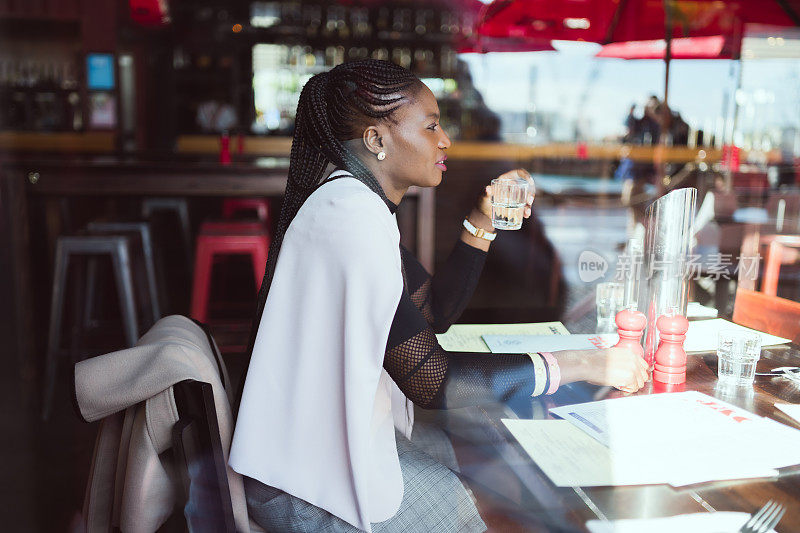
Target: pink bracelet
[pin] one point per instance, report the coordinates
(555, 372)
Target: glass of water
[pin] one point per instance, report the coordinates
(509, 196)
(738, 352)
(609, 299)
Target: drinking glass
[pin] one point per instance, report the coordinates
(738, 352)
(509, 196)
(609, 300)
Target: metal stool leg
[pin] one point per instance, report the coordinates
(202, 281)
(181, 210)
(186, 231)
(53, 337)
(142, 231)
(122, 272)
(79, 320)
(150, 267)
(91, 291)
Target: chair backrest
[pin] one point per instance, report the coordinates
(781, 249)
(172, 441)
(764, 312)
(770, 314)
(200, 460)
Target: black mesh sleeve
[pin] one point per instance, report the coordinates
(442, 298)
(433, 378)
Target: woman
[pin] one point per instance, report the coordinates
(345, 333)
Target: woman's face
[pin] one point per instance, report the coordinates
(415, 143)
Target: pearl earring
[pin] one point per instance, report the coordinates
(381, 155)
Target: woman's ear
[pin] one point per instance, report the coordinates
(373, 140)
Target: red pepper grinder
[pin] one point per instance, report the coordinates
(225, 148)
(670, 357)
(630, 324)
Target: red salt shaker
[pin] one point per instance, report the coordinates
(670, 357)
(630, 324)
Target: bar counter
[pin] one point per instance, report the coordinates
(274, 146)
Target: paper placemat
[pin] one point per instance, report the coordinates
(467, 337)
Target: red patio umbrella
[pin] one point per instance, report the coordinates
(712, 47)
(481, 45)
(610, 21)
(607, 21)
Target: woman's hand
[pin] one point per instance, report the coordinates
(481, 214)
(617, 367)
(484, 205)
(614, 367)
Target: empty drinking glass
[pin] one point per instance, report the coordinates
(509, 196)
(609, 300)
(738, 352)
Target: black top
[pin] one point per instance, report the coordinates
(428, 375)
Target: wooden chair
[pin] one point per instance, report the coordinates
(782, 249)
(200, 460)
(770, 314)
(759, 310)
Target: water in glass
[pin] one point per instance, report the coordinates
(507, 215)
(509, 196)
(738, 353)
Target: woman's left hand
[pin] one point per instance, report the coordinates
(485, 200)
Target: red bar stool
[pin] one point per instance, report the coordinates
(231, 206)
(225, 238)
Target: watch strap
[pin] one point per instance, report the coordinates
(478, 232)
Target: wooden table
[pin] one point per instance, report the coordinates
(497, 461)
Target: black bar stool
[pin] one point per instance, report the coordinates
(174, 250)
(67, 248)
(179, 207)
(144, 270)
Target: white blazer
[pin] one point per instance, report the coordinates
(316, 415)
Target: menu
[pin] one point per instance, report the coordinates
(549, 343)
(677, 439)
(467, 337)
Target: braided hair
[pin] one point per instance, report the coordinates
(332, 107)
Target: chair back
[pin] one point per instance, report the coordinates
(168, 403)
(781, 249)
(200, 460)
(770, 314)
(756, 309)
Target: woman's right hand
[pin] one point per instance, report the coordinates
(617, 367)
(613, 367)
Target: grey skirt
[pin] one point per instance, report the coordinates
(433, 500)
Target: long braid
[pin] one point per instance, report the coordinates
(330, 109)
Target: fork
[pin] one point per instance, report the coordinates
(765, 519)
